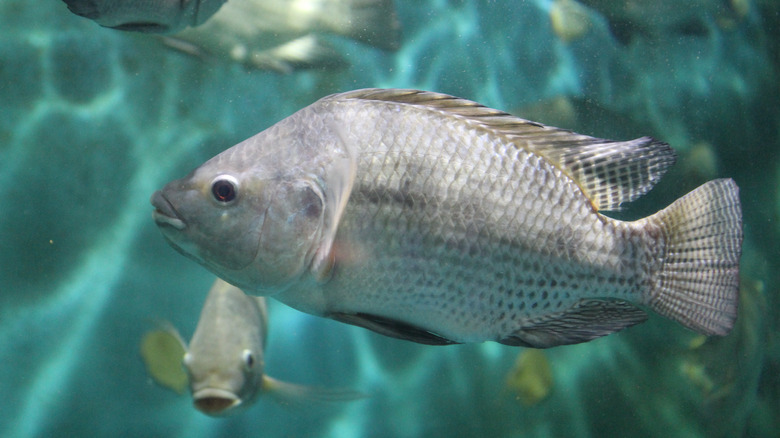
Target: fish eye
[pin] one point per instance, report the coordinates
(249, 359)
(224, 188)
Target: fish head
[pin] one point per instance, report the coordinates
(224, 361)
(254, 226)
(148, 16)
(223, 384)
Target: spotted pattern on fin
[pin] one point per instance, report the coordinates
(589, 319)
(612, 172)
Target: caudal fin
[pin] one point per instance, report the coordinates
(372, 22)
(698, 285)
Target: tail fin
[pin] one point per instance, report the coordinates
(698, 285)
(372, 22)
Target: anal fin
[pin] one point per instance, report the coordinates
(587, 320)
(391, 327)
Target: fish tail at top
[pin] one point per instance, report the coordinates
(698, 284)
(372, 22)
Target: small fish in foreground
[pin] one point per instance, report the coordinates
(148, 16)
(224, 362)
(437, 220)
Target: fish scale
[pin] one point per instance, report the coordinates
(471, 181)
(437, 220)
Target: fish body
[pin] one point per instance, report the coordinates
(149, 16)
(225, 362)
(437, 220)
(569, 19)
(283, 35)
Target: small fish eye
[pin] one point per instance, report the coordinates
(249, 359)
(224, 188)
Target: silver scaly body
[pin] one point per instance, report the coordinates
(444, 221)
(448, 227)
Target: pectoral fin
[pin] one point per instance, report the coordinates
(393, 328)
(162, 352)
(589, 319)
(291, 394)
(337, 187)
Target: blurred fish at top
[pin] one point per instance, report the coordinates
(438, 220)
(655, 19)
(225, 358)
(569, 20)
(284, 35)
(149, 16)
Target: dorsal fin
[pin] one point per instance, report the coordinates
(608, 172)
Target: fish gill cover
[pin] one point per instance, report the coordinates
(94, 120)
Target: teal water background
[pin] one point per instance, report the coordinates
(92, 121)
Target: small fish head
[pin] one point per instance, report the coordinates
(224, 384)
(254, 227)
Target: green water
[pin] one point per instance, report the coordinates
(93, 120)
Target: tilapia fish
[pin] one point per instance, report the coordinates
(225, 362)
(437, 220)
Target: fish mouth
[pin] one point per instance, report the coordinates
(164, 214)
(213, 401)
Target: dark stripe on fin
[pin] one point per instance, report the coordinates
(391, 327)
(587, 320)
(611, 172)
(698, 285)
(608, 172)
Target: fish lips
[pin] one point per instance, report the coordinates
(164, 214)
(215, 402)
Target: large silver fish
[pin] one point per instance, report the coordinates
(438, 220)
(225, 359)
(150, 16)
